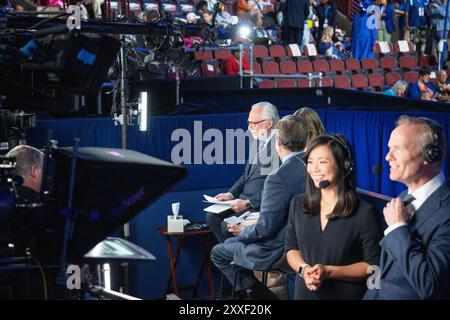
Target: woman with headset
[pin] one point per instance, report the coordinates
(333, 236)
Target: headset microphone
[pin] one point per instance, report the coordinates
(324, 184)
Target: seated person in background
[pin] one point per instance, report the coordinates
(225, 19)
(313, 123)
(258, 246)
(441, 85)
(201, 7)
(423, 84)
(247, 190)
(262, 36)
(328, 47)
(29, 165)
(332, 236)
(398, 89)
(207, 18)
(244, 9)
(192, 18)
(231, 65)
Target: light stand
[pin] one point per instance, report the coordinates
(70, 216)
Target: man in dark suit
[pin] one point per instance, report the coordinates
(258, 246)
(247, 190)
(326, 13)
(415, 257)
(294, 14)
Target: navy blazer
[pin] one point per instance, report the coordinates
(295, 13)
(415, 259)
(331, 15)
(263, 242)
(249, 186)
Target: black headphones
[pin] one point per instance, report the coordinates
(432, 152)
(349, 164)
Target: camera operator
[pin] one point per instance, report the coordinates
(29, 165)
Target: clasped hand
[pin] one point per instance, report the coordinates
(315, 276)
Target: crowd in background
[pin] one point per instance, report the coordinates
(302, 22)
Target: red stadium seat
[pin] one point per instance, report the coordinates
(376, 80)
(256, 68)
(277, 51)
(287, 83)
(310, 50)
(321, 65)
(352, 65)
(303, 83)
(267, 84)
(203, 55)
(260, 52)
(404, 47)
(392, 77)
(411, 76)
(427, 61)
(326, 82)
(209, 69)
(288, 67)
(408, 62)
(359, 81)
(293, 50)
(222, 54)
(369, 64)
(388, 63)
(337, 65)
(342, 82)
(172, 74)
(270, 67)
(383, 48)
(304, 66)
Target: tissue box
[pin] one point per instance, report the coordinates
(175, 225)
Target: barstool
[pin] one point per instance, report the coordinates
(280, 266)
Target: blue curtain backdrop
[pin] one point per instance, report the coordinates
(367, 131)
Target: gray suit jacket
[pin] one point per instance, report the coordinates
(250, 184)
(263, 243)
(415, 260)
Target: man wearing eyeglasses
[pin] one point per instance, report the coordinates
(247, 190)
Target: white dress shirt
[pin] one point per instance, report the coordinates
(420, 195)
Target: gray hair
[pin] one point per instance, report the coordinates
(26, 158)
(400, 85)
(270, 112)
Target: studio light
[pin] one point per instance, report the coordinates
(244, 31)
(142, 107)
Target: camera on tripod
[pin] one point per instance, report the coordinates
(13, 126)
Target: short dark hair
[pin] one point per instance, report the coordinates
(347, 200)
(292, 133)
(424, 72)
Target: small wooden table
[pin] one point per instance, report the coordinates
(207, 238)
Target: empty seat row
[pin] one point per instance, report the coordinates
(374, 81)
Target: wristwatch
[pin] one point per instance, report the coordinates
(301, 269)
(248, 206)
